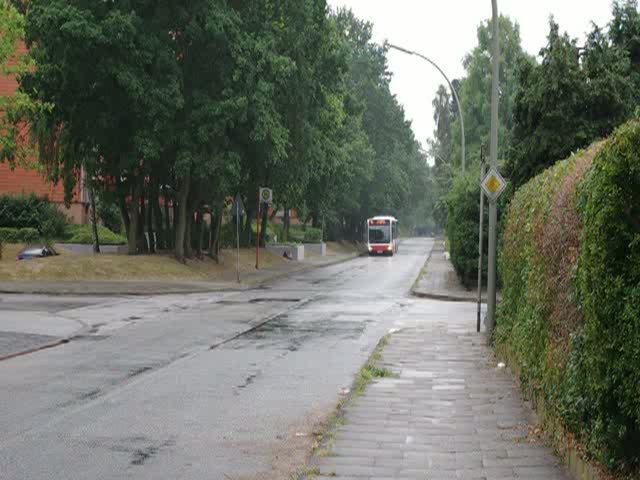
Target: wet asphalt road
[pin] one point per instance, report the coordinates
(171, 387)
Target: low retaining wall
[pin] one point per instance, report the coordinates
(316, 248)
(83, 249)
(294, 252)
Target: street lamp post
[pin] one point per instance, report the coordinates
(493, 160)
(453, 91)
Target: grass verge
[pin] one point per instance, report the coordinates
(108, 266)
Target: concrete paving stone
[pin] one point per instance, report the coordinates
(375, 437)
(540, 471)
(362, 444)
(488, 473)
(538, 461)
(376, 429)
(402, 463)
(374, 453)
(333, 477)
(357, 471)
(518, 451)
(350, 461)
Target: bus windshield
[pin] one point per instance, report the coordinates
(379, 233)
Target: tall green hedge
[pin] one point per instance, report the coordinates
(606, 400)
(570, 310)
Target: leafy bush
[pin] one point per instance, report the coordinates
(18, 235)
(463, 204)
(82, 234)
(312, 235)
(109, 215)
(29, 211)
(570, 311)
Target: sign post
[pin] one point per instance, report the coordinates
(493, 185)
(265, 196)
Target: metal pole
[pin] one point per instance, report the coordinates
(238, 240)
(453, 91)
(480, 239)
(493, 208)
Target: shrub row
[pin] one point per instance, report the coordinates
(29, 211)
(570, 310)
(18, 235)
(82, 234)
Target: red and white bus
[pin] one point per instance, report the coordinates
(382, 235)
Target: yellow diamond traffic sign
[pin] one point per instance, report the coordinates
(493, 184)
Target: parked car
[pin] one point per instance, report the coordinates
(36, 251)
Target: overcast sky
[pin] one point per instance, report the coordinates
(446, 30)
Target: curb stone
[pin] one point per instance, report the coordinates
(442, 295)
(45, 346)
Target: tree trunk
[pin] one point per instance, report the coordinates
(142, 219)
(176, 213)
(214, 249)
(188, 235)
(199, 231)
(168, 239)
(180, 220)
(151, 202)
(134, 217)
(125, 215)
(287, 223)
(157, 218)
(248, 231)
(94, 222)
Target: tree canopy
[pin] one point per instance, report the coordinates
(172, 107)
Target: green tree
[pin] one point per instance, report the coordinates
(571, 98)
(624, 33)
(475, 91)
(109, 71)
(15, 145)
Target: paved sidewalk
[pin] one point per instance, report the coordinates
(146, 287)
(451, 413)
(440, 281)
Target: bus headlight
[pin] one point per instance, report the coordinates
(389, 247)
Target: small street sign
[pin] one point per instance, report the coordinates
(266, 195)
(493, 184)
(238, 206)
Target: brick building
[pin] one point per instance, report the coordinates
(21, 180)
